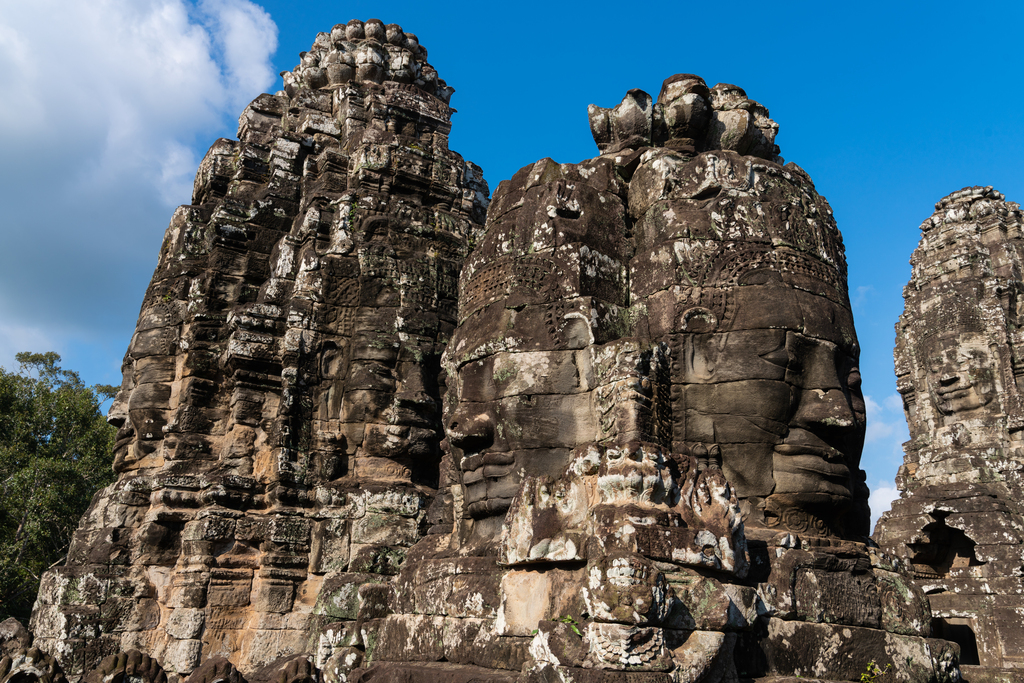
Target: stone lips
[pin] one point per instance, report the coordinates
(631, 466)
(958, 523)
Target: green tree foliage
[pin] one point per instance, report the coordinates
(55, 452)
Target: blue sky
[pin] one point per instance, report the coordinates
(110, 105)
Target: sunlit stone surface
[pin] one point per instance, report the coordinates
(653, 345)
(612, 435)
(959, 521)
(280, 417)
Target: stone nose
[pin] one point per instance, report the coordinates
(949, 379)
(471, 429)
(118, 413)
(824, 412)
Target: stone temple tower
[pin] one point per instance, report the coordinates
(279, 421)
(960, 522)
(611, 434)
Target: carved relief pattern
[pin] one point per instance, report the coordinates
(617, 440)
(959, 521)
(280, 413)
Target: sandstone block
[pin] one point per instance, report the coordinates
(269, 595)
(185, 623)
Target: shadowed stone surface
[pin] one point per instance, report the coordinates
(127, 667)
(617, 441)
(279, 422)
(959, 523)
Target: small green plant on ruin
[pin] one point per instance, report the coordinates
(873, 672)
(571, 623)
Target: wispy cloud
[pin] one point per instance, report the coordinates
(16, 338)
(893, 403)
(861, 295)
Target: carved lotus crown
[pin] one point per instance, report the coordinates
(689, 117)
(365, 52)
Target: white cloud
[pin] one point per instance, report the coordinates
(893, 403)
(131, 77)
(861, 294)
(881, 499)
(236, 23)
(108, 106)
(881, 424)
(883, 450)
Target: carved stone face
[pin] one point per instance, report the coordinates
(519, 412)
(543, 290)
(140, 409)
(394, 394)
(778, 389)
(960, 371)
(523, 413)
(117, 416)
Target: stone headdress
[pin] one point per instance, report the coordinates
(704, 224)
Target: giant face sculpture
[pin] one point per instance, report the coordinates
(741, 269)
(951, 349)
(144, 406)
(956, 340)
(534, 408)
(538, 296)
(777, 387)
(960, 371)
(735, 264)
(515, 417)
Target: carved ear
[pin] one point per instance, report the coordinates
(700, 356)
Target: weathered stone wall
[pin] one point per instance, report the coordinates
(618, 440)
(959, 522)
(280, 429)
(655, 425)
